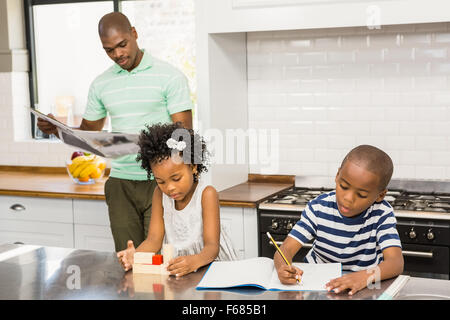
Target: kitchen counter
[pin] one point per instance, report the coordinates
(50, 273)
(38, 182)
(55, 183)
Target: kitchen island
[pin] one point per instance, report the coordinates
(53, 273)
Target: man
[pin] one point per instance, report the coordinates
(137, 90)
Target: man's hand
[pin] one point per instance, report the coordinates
(126, 257)
(289, 274)
(354, 281)
(47, 127)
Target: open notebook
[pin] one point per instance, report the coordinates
(260, 272)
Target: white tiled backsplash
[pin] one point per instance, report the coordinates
(330, 90)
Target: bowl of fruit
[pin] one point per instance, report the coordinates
(85, 168)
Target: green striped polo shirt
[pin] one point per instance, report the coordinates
(147, 95)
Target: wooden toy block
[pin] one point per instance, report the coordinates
(151, 263)
(167, 252)
(150, 268)
(143, 257)
(157, 259)
(145, 282)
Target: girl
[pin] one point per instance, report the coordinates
(185, 211)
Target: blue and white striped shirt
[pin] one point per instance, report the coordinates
(356, 242)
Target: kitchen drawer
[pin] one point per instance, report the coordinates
(91, 212)
(91, 237)
(36, 209)
(37, 233)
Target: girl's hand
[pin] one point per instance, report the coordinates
(126, 257)
(182, 265)
(354, 281)
(289, 274)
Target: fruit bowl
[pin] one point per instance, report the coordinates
(86, 169)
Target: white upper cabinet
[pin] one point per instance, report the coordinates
(221, 16)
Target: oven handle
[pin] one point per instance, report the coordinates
(279, 243)
(418, 254)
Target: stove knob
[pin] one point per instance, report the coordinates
(430, 235)
(412, 234)
(289, 226)
(274, 225)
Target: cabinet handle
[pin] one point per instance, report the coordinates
(17, 207)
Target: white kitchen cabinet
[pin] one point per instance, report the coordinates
(36, 209)
(92, 237)
(37, 233)
(241, 226)
(91, 225)
(36, 221)
(222, 16)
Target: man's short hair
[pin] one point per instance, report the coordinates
(374, 160)
(113, 21)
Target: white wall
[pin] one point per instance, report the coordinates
(328, 90)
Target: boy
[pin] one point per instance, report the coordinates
(351, 225)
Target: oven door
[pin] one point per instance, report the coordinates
(268, 249)
(426, 261)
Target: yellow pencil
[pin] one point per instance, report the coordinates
(279, 250)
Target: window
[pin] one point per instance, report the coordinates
(66, 53)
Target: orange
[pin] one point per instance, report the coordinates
(96, 174)
(85, 179)
(102, 166)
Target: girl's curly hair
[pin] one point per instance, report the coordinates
(153, 146)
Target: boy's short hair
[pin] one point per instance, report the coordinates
(374, 160)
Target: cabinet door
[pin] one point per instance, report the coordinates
(250, 232)
(232, 220)
(36, 209)
(91, 212)
(92, 227)
(93, 237)
(37, 233)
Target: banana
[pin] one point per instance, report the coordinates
(88, 170)
(78, 161)
(81, 167)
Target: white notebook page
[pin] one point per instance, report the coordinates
(314, 278)
(257, 271)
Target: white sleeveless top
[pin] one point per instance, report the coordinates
(184, 228)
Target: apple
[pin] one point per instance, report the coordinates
(76, 154)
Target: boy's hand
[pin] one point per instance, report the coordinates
(289, 274)
(354, 281)
(126, 257)
(182, 265)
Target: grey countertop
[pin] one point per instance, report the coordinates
(51, 273)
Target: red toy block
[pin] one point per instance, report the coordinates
(157, 259)
(158, 287)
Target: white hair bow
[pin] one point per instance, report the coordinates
(174, 144)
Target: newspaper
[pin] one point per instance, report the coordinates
(101, 143)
